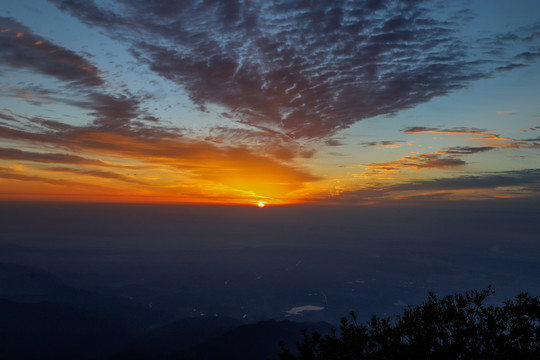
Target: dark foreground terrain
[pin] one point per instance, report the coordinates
(41, 317)
(50, 320)
(110, 281)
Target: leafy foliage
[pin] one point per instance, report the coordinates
(458, 326)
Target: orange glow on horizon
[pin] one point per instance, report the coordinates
(95, 166)
(128, 168)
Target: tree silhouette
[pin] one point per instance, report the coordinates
(458, 326)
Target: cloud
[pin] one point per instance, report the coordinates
(115, 113)
(20, 155)
(298, 310)
(238, 168)
(263, 139)
(110, 111)
(529, 56)
(483, 133)
(387, 144)
(525, 177)
(10, 174)
(416, 162)
(7, 117)
(85, 84)
(284, 72)
(537, 139)
(334, 142)
(482, 136)
(524, 182)
(98, 173)
(512, 143)
(506, 112)
(112, 114)
(465, 150)
(21, 48)
(510, 67)
(304, 69)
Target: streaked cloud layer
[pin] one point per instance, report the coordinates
(238, 102)
(306, 69)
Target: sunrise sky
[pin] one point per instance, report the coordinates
(279, 102)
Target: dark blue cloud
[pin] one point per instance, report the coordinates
(528, 178)
(21, 48)
(82, 84)
(306, 68)
(384, 143)
(465, 150)
(527, 182)
(20, 155)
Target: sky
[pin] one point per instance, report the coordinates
(269, 102)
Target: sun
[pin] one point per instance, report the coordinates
(260, 204)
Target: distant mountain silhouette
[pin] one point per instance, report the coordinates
(56, 331)
(244, 342)
(258, 341)
(179, 335)
(31, 285)
(41, 317)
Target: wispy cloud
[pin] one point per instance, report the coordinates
(416, 162)
(238, 168)
(483, 185)
(10, 174)
(385, 144)
(488, 139)
(304, 69)
(527, 178)
(98, 173)
(59, 158)
(509, 67)
(22, 48)
(465, 150)
(506, 112)
(82, 82)
(482, 133)
(286, 76)
(529, 56)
